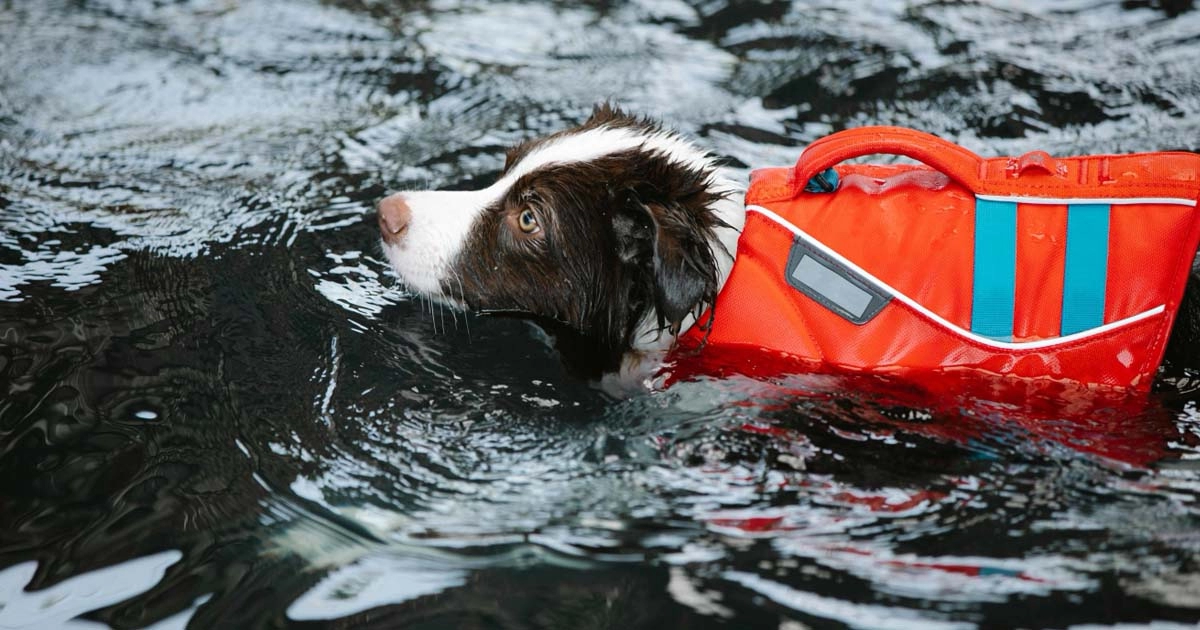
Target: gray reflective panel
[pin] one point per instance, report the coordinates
(832, 286)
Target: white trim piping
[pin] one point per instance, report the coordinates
(1113, 201)
(943, 322)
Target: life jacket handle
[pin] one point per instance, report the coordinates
(960, 164)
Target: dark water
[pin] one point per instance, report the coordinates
(219, 411)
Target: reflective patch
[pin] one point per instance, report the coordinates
(833, 285)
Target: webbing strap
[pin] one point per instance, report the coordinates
(995, 268)
(1086, 274)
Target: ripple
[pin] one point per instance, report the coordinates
(201, 349)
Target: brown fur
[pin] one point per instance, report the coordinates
(624, 237)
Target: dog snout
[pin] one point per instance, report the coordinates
(394, 217)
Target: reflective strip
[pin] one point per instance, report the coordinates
(1112, 201)
(942, 322)
(1086, 273)
(995, 268)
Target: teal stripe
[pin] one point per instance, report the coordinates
(995, 268)
(1086, 273)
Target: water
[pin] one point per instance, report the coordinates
(219, 410)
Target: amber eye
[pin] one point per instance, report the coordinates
(527, 221)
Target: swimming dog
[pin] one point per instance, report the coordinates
(615, 237)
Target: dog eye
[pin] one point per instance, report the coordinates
(527, 221)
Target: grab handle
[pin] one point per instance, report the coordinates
(958, 163)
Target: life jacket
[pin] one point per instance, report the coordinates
(1035, 266)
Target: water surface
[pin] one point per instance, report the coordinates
(220, 410)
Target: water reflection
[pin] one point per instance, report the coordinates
(220, 411)
(58, 605)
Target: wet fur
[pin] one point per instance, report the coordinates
(628, 239)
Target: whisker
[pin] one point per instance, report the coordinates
(427, 307)
(454, 317)
(462, 295)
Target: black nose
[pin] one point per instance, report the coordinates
(394, 216)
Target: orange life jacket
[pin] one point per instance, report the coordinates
(1037, 267)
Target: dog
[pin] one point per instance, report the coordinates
(614, 237)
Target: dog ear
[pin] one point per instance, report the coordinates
(635, 234)
(684, 265)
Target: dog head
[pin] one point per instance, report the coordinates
(614, 236)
